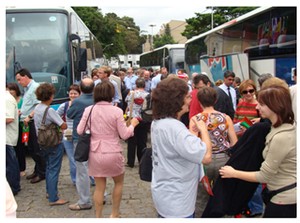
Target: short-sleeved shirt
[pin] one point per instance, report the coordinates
(177, 157)
(52, 116)
(12, 129)
(29, 99)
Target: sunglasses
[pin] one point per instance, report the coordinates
(250, 91)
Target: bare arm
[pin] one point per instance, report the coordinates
(230, 172)
(205, 138)
(231, 133)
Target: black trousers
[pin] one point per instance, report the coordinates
(137, 143)
(35, 151)
(20, 149)
(280, 211)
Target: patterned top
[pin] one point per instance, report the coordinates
(139, 102)
(217, 127)
(245, 109)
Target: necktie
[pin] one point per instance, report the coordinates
(229, 94)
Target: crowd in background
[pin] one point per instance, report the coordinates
(198, 132)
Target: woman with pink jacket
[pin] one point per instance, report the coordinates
(106, 153)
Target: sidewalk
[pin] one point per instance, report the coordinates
(32, 203)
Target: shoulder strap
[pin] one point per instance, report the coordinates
(89, 119)
(66, 107)
(288, 187)
(45, 114)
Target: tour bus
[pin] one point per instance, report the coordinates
(170, 56)
(261, 41)
(53, 44)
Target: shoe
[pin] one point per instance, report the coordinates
(31, 176)
(131, 166)
(77, 207)
(249, 214)
(37, 179)
(58, 202)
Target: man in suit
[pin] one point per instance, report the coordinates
(226, 101)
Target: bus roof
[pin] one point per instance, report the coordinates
(168, 46)
(231, 22)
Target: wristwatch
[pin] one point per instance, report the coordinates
(30, 117)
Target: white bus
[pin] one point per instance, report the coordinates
(261, 41)
(53, 44)
(170, 56)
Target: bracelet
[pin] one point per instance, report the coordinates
(30, 117)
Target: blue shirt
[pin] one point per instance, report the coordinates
(130, 82)
(29, 99)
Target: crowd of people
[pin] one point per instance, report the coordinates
(199, 131)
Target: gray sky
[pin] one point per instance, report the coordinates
(143, 17)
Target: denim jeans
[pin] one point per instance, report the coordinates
(69, 148)
(82, 182)
(256, 203)
(53, 157)
(12, 169)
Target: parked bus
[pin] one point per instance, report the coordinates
(170, 56)
(266, 37)
(53, 44)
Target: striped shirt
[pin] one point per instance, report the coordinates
(245, 109)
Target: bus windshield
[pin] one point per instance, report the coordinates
(39, 43)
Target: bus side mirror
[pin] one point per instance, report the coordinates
(82, 60)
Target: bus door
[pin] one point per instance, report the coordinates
(215, 66)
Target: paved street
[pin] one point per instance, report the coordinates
(32, 203)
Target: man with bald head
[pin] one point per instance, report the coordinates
(75, 112)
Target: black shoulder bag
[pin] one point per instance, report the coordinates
(82, 149)
(267, 194)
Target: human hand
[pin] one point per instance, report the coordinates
(199, 125)
(227, 172)
(134, 122)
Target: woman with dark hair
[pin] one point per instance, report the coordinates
(177, 153)
(222, 136)
(53, 155)
(278, 169)
(106, 153)
(14, 90)
(136, 101)
(74, 92)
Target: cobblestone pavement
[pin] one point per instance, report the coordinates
(32, 203)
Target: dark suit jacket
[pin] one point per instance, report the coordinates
(232, 195)
(224, 103)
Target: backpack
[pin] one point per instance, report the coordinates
(48, 135)
(147, 111)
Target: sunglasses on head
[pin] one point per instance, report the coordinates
(250, 91)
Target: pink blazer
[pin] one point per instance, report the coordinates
(107, 124)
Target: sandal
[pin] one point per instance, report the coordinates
(77, 207)
(58, 202)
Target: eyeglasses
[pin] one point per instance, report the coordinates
(250, 91)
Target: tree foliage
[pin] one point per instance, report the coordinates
(164, 39)
(127, 38)
(202, 22)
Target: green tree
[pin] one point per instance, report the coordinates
(202, 22)
(164, 39)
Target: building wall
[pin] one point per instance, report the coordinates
(177, 27)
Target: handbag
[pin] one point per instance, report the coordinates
(48, 135)
(145, 167)
(147, 112)
(82, 149)
(128, 120)
(267, 194)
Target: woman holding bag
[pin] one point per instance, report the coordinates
(106, 153)
(280, 160)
